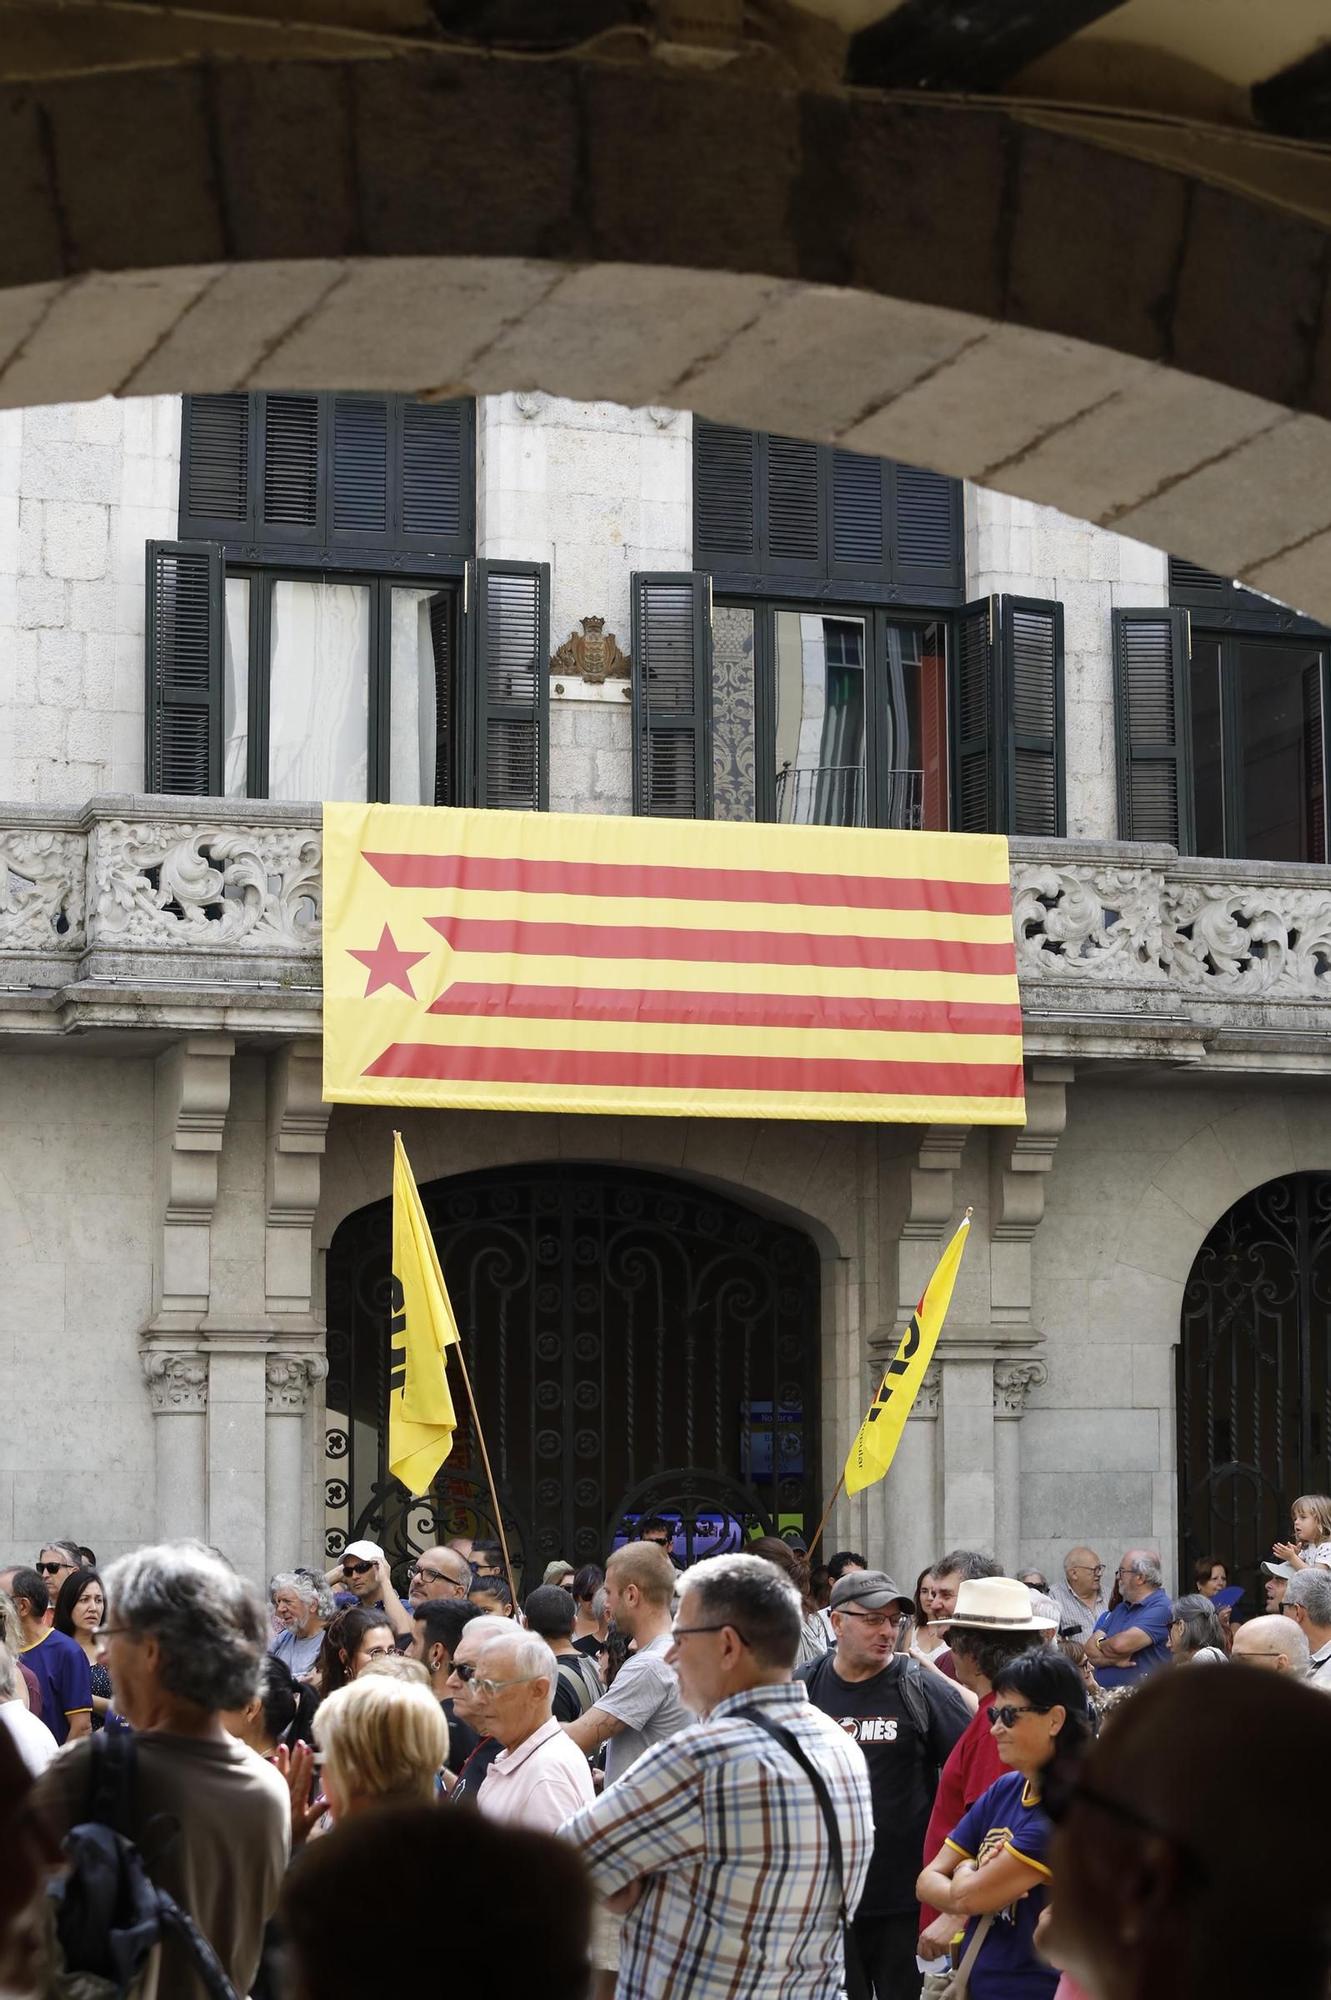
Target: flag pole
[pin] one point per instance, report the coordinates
(827, 1515)
(489, 1478)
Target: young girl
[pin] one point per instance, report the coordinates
(1311, 1546)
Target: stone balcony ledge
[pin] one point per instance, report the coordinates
(161, 912)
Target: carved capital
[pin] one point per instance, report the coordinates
(926, 1403)
(288, 1380)
(177, 1383)
(1013, 1382)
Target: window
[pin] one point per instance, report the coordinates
(1221, 743)
(319, 631)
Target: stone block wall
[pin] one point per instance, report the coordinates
(591, 747)
(83, 487)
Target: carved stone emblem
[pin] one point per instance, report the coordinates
(593, 654)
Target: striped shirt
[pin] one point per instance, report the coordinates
(740, 1900)
(1072, 1612)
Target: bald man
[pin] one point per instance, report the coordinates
(439, 1573)
(1274, 1643)
(1178, 1841)
(1080, 1599)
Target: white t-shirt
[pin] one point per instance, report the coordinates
(34, 1741)
(645, 1698)
(1316, 1555)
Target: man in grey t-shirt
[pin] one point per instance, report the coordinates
(642, 1706)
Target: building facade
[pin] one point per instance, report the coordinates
(215, 614)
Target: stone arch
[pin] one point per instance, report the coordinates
(951, 281)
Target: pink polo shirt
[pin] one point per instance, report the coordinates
(540, 1784)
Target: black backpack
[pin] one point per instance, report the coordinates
(108, 1912)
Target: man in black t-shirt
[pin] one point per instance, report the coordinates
(550, 1612)
(437, 1626)
(905, 1719)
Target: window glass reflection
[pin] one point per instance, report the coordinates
(820, 776)
(1280, 731)
(236, 688)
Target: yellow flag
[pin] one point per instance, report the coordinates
(879, 1435)
(421, 1420)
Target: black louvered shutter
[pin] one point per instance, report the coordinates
(927, 545)
(671, 646)
(215, 485)
(511, 687)
(360, 509)
(443, 646)
(184, 668)
(859, 515)
(437, 480)
(795, 542)
(1031, 680)
(725, 497)
(1151, 718)
(289, 509)
(977, 801)
(1314, 777)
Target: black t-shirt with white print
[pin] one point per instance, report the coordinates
(904, 1765)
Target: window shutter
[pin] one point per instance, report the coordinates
(1032, 715)
(926, 528)
(511, 637)
(1314, 779)
(1151, 716)
(443, 645)
(725, 497)
(1190, 576)
(215, 486)
(289, 502)
(436, 478)
(184, 668)
(672, 763)
(794, 511)
(859, 543)
(360, 511)
(977, 801)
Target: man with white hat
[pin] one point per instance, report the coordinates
(993, 1622)
(1279, 1575)
(906, 1721)
(363, 1577)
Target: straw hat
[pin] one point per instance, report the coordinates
(996, 1604)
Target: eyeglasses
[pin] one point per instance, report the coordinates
(679, 1632)
(1007, 1715)
(380, 1652)
(1088, 1569)
(489, 1689)
(51, 1569)
(356, 1569)
(109, 1631)
(433, 1576)
(875, 1619)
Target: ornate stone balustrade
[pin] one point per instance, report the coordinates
(220, 900)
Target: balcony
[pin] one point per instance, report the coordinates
(151, 914)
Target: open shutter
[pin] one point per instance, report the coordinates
(672, 763)
(1151, 717)
(511, 640)
(184, 668)
(360, 456)
(216, 489)
(443, 645)
(290, 493)
(725, 497)
(1032, 714)
(977, 789)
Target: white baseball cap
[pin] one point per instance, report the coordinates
(368, 1552)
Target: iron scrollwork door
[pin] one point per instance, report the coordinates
(629, 1337)
(1254, 1389)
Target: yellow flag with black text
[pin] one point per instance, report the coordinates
(879, 1435)
(421, 1419)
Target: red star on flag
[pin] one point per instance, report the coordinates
(388, 966)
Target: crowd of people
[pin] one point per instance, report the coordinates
(743, 1777)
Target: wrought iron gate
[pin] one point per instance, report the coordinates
(636, 1344)
(1254, 1387)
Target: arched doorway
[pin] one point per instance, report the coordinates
(1254, 1387)
(636, 1344)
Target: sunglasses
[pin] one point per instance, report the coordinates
(1008, 1715)
(356, 1569)
(51, 1569)
(464, 1670)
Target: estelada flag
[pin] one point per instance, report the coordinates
(879, 1435)
(553, 962)
(421, 1419)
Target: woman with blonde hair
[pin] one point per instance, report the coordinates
(384, 1741)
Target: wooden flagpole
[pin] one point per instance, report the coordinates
(489, 1477)
(827, 1515)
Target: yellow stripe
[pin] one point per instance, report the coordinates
(957, 1848)
(344, 976)
(670, 913)
(611, 1100)
(699, 1038)
(1027, 1861)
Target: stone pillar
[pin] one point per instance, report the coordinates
(297, 1132)
(289, 1379)
(178, 1386)
(909, 1506)
(1012, 1382)
(236, 1476)
(192, 1093)
(967, 1450)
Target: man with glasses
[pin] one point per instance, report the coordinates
(460, 1687)
(1081, 1598)
(363, 1577)
(1308, 1604)
(1275, 1644)
(55, 1561)
(1132, 1640)
(906, 1721)
(439, 1573)
(539, 1778)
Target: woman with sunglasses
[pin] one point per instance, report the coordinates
(991, 1873)
(79, 1611)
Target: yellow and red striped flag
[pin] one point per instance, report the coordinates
(553, 962)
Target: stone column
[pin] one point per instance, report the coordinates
(909, 1517)
(178, 1386)
(967, 1451)
(289, 1379)
(1012, 1382)
(236, 1496)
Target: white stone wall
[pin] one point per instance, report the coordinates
(1013, 545)
(76, 1236)
(83, 487)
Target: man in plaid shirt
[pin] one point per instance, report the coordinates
(714, 1841)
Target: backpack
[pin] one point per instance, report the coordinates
(108, 1913)
(911, 1684)
(585, 1682)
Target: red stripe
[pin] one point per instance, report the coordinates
(700, 885)
(504, 934)
(727, 1010)
(655, 1071)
